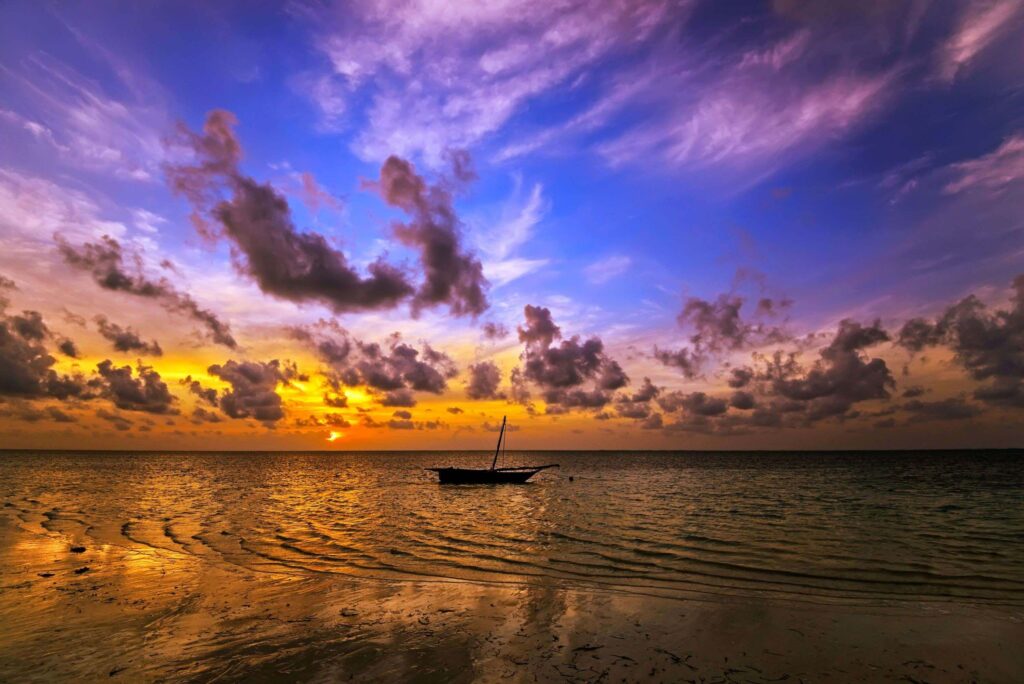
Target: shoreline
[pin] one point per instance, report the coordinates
(143, 614)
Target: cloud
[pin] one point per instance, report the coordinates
(314, 195)
(126, 339)
(841, 377)
(696, 403)
(511, 229)
(780, 393)
(980, 24)
(606, 269)
(570, 373)
(446, 76)
(89, 128)
(484, 378)
(117, 420)
(253, 392)
(947, 409)
(394, 368)
(26, 367)
(207, 394)
(452, 276)
(993, 172)
(718, 326)
(143, 392)
(105, 262)
(987, 344)
(20, 410)
(743, 124)
(494, 331)
(303, 266)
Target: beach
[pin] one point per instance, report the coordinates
(199, 594)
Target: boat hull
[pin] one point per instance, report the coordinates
(480, 476)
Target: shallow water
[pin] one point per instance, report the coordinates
(857, 528)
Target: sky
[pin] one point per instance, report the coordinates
(624, 225)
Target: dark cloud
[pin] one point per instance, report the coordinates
(742, 400)
(452, 276)
(117, 420)
(126, 339)
(684, 359)
(632, 410)
(636, 406)
(201, 415)
(740, 377)
(988, 344)
(912, 392)
(779, 392)
(494, 331)
(105, 261)
(253, 392)
(484, 378)
(72, 318)
(946, 409)
(561, 368)
(653, 422)
(207, 394)
(842, 376)
(394, 368)
(29, 325)
(258, 221)
(143, 392)
(402, 414)
(454, 410)
(577, 398)
(68, 347)
(402, 423)
(24, 411)
(327, 420)
(26, 367)
(303, 266)
(540, 328)
(399, 397)
(718, 326)
(695, 403)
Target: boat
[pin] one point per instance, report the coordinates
(492, 475)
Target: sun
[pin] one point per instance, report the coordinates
(335, 435)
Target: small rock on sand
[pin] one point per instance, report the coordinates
(81, 570)
(77, 549)
(348, 612)
(46, 574)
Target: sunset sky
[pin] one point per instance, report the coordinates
(385, 225)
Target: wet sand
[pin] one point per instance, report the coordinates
(145, 614)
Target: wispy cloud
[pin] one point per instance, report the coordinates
(440, 75)
(603, 270)
(86, 126)
(981, 23)
(994, 171)
(511, 229)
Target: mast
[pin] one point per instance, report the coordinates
(498, 448)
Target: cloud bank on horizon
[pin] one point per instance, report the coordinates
(624, 224)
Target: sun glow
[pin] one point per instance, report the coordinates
(335, 436)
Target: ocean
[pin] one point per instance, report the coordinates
(922, 532)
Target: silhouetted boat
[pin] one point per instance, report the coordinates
(492, 475)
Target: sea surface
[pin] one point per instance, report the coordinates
(872, 529)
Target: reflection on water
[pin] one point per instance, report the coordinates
(817, 528)
(183, 550)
